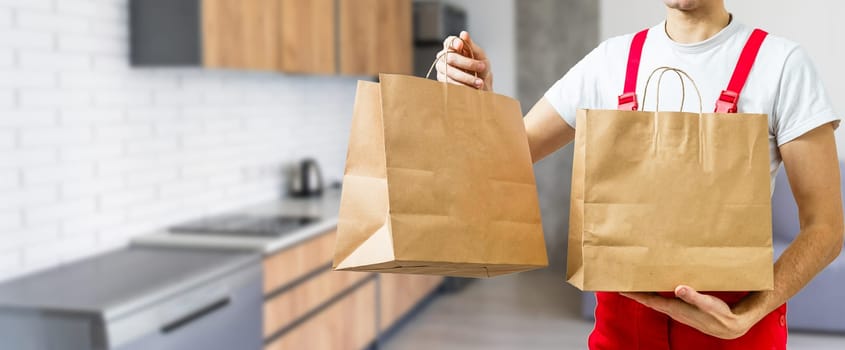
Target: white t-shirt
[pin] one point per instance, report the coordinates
(783, 82)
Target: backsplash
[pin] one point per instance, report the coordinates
(93, 152)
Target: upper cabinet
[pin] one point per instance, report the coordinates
(375, 36)
(239, 33)
(307, 35)
(356, 37)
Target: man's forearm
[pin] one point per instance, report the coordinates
(809, 253)
(812, 166)
(546, 130)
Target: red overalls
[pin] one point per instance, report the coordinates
(624, 324)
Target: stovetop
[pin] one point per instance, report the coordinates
(244, 225)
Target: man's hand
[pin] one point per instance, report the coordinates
(707, 313)
(464, 63)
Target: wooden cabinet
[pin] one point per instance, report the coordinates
(284, 267)
(399, 294)
(240, 34)
(348, 324)
(283, 309)
(361, 37)
(375, 36)
(309, 306)
(231, 34)
(301, 300)
(307, 33)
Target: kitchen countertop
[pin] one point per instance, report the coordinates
(119, 282)
(325, 207)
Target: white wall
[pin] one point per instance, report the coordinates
(93, 152)
(816, 25)
(492, 24)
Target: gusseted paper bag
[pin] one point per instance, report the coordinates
(438, 181)
(667, 198)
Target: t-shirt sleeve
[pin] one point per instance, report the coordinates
(802, 103)
(577, 88)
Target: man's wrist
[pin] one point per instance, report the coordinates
(752, 308)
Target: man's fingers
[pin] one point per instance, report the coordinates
(457, 64)
(692, 297)
(442, 77)
(465, 63)
(458, 75)
(674, 308)
(451, 42)
(456, 43)
(476, 50)
(459, 61)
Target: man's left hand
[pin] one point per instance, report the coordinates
(708, 314)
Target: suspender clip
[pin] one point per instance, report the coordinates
(628, 101)
(727, 102)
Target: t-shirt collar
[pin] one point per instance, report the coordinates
(700, 46)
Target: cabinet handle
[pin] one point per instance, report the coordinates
(196, 315)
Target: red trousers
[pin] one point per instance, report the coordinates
(624, 324)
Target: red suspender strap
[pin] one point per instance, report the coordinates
(628, 98)
(727, 101)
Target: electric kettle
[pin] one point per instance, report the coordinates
(305, 179)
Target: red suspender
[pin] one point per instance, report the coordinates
(628, 98)
(727, 102)
(728, 99)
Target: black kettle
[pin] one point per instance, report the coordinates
(305, 180)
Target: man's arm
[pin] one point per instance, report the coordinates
(813, 170)
(546, 130)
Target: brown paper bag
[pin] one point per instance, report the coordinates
(439, 181)
(667, 198)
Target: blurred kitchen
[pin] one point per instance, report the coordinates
(170, 171)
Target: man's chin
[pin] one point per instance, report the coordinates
(683, 5)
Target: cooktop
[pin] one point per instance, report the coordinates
(244, 225)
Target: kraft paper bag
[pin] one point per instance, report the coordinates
(667, 198)
(438, 181)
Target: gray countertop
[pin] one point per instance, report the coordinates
(325, 207)
(120, 281)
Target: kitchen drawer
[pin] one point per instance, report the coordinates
(348, 324)
(287, 307)
(297, 261)
(399, 293)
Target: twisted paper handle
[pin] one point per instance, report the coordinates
(681, 74)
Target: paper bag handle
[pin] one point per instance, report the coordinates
(681, 74)
(442, 55)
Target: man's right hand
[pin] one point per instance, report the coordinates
(458, 66)
(545, 129)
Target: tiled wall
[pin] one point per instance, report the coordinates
(93, 152)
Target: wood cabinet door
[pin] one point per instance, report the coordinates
(284, 309)
(295, 262)
(375, 37)
(307, 36)
(400, 293)
(348, 324)
(240, 34)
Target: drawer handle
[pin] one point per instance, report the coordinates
(196, 315)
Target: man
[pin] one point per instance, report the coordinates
(700, 37)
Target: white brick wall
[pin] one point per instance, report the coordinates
(93, 151)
